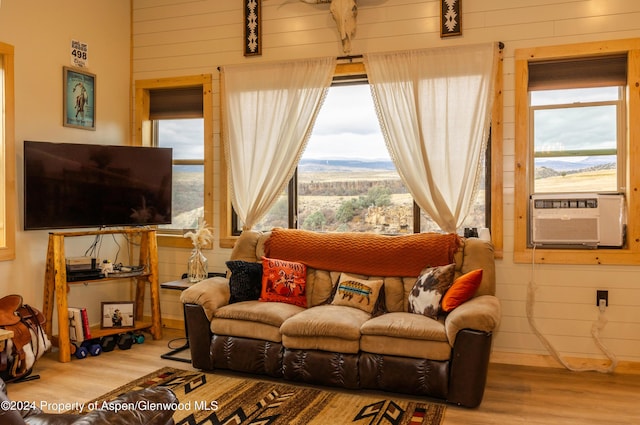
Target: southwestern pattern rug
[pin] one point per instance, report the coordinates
(210, 399)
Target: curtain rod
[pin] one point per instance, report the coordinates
(351, 57)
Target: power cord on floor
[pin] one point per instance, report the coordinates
(595, 331)
(171, 343)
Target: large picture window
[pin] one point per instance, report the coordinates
(487, 211)
(346, 180)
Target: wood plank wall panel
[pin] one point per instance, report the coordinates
(186, 37)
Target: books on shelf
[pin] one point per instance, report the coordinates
(79, 329)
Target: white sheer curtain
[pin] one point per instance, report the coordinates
(434, 109)
(269, 111)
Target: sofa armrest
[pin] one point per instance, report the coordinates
(480, 313)
(211, 294)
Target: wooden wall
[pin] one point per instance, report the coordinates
(41, 32)
(186, 37)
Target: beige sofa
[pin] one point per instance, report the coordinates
(338, 345)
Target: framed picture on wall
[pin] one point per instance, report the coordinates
(79, 99)
(118, 314)
(450, 18)
(252, 27)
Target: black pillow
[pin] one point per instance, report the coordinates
(245, 282)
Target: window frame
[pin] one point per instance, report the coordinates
(350, 69)
(7, 159)
(143, 136)
(629, 254)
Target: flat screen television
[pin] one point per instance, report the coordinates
(69, 185)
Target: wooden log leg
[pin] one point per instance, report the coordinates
(140, 290)
(49, 289)
(61, 286)
(156, 327)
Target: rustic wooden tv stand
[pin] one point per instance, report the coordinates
(56, 287)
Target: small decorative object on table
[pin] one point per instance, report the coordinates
(197, 264)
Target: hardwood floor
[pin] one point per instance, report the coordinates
(514, 394)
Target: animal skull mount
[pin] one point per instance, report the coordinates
(344, 12)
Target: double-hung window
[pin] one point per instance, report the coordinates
(577, 115)
(177, 113)
(575, 132)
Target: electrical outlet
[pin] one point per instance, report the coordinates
(602, 295)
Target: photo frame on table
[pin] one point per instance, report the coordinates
(450, 18)
(117, 314)
(252, 27)
(79, 99)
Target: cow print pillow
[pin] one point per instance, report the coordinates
(428, 290)
(359, 293)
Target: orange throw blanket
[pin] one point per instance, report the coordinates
(363, 253)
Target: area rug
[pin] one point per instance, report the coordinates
(208, 399)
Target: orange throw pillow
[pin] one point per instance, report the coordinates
(284, 281)
(462, 290)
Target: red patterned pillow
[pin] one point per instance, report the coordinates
(284, 281)
(462, 290)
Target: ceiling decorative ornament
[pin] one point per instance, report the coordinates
(344, 12)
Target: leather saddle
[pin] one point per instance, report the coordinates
(19, 318)
(8, 307)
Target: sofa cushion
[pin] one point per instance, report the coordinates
(284, 281)
(406, 347)
(273, 314)
(325, 327)
(394, 293)
(245, 329)
(462, 289)
(479, 254)
(405, 325)
(246, 246)
(245, 282)
(320, 285)
(358, 293)
(429, 288)
(253, 319)
(405, 334)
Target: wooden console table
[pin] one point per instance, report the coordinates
(56, 287)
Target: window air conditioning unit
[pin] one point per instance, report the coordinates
(586, 220)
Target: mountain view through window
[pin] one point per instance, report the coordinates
(346, 178)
